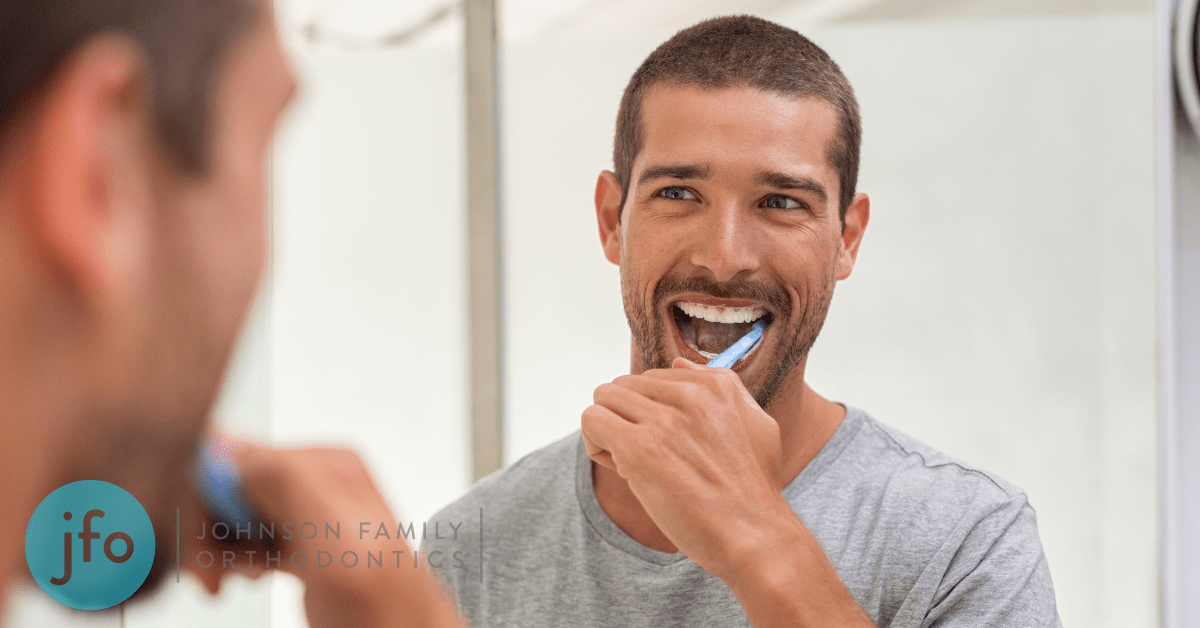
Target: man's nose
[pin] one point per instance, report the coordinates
(726, 244)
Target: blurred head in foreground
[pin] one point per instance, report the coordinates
(133, 144)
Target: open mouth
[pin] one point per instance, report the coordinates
(711, 329)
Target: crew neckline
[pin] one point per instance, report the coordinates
(586, 495)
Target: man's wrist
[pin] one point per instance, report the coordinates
(781, 576)
(767, 553)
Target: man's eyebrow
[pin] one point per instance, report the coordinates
(788, 182)
(678, 171)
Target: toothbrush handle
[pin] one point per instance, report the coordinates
(730, 356)
(220, 484)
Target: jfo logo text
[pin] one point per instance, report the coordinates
(89, 545)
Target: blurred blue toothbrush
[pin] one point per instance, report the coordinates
(220, 484)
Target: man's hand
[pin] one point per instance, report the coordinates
(700, 455)
(331, 485)
(704, 461)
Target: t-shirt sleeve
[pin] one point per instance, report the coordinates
(998, 577)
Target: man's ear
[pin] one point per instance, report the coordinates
(608, 215)
(87, 173)
(857, 216)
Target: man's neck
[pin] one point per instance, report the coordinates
(26, 468)
(806, 422)
(35, 394)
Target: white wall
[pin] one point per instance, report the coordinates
(1002, 308)
(367, 312)
(368, 329)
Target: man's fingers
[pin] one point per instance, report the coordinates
(686, 364)
(604, 459)
(209, 578)
(603, 432)
(628, 403)
(680, 374)
(207, 560)
(676, 392)
(288, 483)
(700, 375)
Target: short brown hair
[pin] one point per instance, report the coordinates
(744, 51)
(184, 42)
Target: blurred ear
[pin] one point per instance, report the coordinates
(608, 215)
(89, 195)
(857, 216)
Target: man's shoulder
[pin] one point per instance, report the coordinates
(884, 453)
(896, 490)
(951, 539)
(537, 481)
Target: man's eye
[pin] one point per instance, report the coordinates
(676, 193)
(782, 202)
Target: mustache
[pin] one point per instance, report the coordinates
(753, 289)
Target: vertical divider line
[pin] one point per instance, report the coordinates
(177, 554)
(483, 235)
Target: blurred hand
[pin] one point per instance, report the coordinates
(327, 485)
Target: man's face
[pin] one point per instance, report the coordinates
(731, 216)
(215, 224)
(209, 249)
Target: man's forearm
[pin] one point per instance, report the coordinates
(782, 578)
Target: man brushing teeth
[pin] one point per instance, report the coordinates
(698, 496)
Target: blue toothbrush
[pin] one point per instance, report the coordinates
(730, 356)
(221, 486)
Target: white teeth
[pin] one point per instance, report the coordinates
(718, 314)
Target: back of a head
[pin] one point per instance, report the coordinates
(128, 146)
(184, 42)
(750, 52)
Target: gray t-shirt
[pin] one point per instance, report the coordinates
(918, 539)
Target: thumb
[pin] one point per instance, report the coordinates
(684, 363)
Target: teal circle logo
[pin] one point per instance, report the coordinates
(89, 545)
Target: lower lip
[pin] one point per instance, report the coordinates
(695, 356)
